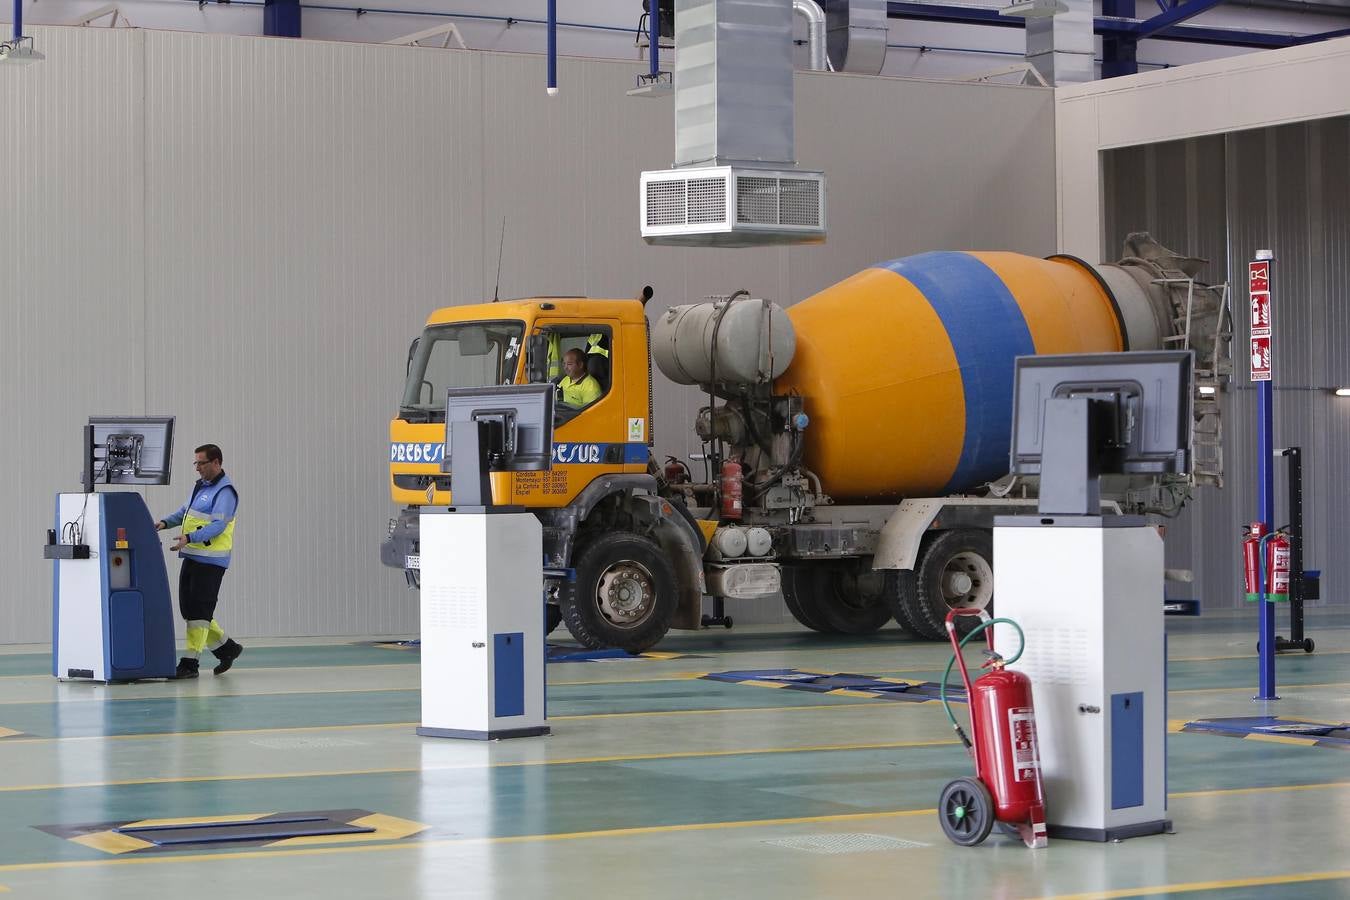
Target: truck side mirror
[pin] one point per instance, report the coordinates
(536, 359)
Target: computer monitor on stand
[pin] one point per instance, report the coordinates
(506, 428)
(1080, 416)
(483, 673)
(113, 616)
(1087, 588)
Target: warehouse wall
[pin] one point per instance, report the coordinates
(246, 233)
(1241, 183)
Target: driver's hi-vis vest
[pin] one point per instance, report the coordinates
(555, 352)
(202, 511)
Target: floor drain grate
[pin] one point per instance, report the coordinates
(845, 843)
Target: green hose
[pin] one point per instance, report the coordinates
(978, 629)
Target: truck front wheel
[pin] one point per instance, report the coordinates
(955, 570)
(624, 595)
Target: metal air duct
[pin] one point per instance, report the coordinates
(735, 182)
(857, 35)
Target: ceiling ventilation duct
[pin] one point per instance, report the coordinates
(735, 182)
(857, 32)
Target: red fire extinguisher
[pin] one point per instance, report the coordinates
(675, 472)
(732, 485)
(1274, 567)
(1007, 786)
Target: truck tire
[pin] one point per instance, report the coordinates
(552, 618)
(955, 569)
(902, 594)
(803, 591)
(855, 599)
(624, 595)
(832, 598)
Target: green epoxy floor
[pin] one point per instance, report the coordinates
(655, 783)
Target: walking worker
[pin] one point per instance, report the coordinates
(204, 545)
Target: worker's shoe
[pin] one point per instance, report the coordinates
(227, 653)
(187, 668)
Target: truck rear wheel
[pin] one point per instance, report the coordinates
(552, 617)
(955, 570)
(843, 598)
(624, 596)
(856, 602)
(802, 593)
(902, 594)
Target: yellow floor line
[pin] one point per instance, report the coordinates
(1188, 887)
(1272, 789)
(453, 842)
(293, 728)
(713, 712)
(1252, 656)
(1252, 688)
(48, 675)
(504, 764)
(181, 734)
(49, 701)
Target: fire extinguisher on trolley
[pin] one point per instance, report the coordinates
(1265, 563)
(1007, 783)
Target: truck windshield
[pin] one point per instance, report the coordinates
(471, 354)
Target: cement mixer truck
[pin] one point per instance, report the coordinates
(854, 445)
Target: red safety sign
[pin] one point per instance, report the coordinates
(1258, 283)
(1260, 357)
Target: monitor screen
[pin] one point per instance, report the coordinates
(130, 449)
(1142, 427)
(526, 414)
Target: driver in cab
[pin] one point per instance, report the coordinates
(579, 388)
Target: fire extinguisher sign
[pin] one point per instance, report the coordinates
(1026, 757)
(1258, 287)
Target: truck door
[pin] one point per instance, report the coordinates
(589, 435)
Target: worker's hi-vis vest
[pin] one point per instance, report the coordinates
(554, 356)
(555, 352)
(199, 515)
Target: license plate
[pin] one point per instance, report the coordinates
(413, 562)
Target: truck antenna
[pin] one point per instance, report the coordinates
(500, 245)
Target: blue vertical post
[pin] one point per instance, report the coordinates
(1265, 473)
(281, 18)
(1119, 50)
(654, 39)
(552, 47)
(18, 21)
(1265, 476)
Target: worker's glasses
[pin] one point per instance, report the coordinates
(198, 463)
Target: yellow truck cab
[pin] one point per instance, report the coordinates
(622, 565)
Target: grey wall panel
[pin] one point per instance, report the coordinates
(72, 301)
(246, 233)
(309, 204)
(1224, 197)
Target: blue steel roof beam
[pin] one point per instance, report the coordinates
(1324, 36)
(1201, 34)
(1102, 25)
(964, 15)
(1174, 16)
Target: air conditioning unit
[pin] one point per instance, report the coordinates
(731, 206)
